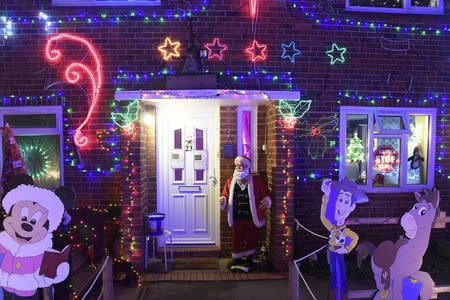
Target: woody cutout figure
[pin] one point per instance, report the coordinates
(338, 201)
(247, 197)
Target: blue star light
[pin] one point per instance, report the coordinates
(336, 57)
(289, 51)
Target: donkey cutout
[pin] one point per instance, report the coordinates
(396, 265)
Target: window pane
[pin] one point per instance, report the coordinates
(418, 149)
(42, 158)
(424, 3)
(392, 122)
(30, 121)
(386, 162)
(377, 3)
(356, 148)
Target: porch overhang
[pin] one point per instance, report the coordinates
(217, 96)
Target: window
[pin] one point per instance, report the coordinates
(106, 2)
(246, 133)
(397, 6)
(386, 150)
(38, 132)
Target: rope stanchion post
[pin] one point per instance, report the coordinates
(107, 277)
(294, 282)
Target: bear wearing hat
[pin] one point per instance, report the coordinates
(247, 197)
(33, 214)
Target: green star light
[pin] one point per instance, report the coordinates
(334, 56)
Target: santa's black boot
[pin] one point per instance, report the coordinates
(234, 262)
(249, 263)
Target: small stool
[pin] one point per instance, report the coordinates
(164, 236)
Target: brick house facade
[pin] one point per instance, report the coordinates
(131, 46)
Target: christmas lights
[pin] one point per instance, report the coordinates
(334, 57)
(289, 51)
(434, 100)
(126, 119)
(36, 160)
(258, 52)
(253, 7)
(123, 77)
(216, 49)
(316, 134)
(292, 112)
(169, 49)
(8, 27)
(321, 19)
(72, 75)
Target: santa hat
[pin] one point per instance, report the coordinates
(44, 197)
(243, 160)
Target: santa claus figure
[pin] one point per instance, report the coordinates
(246, 197)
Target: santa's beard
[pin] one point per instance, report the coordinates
(239, 175)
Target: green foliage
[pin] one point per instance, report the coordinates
(355, 151)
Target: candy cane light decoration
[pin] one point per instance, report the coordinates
(73, 74)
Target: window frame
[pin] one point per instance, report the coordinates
(370, 112)
(105, 3)
(403, 115)
(254, 125)
(407, 8)
(37, 131)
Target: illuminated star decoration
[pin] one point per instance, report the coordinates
(170, 49)
(257, 51)
(326, 5)
(126, 119)
(289, 51)
(334, 56)
(216, 49)
(292, 112)
(316, 134)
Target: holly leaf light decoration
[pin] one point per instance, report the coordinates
(126, 119)
(292, 112)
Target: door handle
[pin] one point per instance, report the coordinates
(214, 180)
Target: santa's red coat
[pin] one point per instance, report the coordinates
(257, 191)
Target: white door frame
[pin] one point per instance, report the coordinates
(213, 170)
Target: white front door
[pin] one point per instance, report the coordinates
(187, 175)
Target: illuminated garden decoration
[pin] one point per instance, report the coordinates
(73, 74)
(36, 160)
(316, 134)
(355, 151)
(170, 49)
(126, 119)
(290, 51)
(292, 112)
(257, 51)
(216, 49)
(336, 54)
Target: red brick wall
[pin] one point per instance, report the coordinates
(132, 47)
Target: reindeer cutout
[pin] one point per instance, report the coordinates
(396, 266)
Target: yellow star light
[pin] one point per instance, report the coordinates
(170, 49)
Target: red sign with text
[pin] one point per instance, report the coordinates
(385, 159)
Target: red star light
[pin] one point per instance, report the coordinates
(257, 51)
(216, 49)
(170, 49)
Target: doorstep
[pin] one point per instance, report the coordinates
(206, 275)
(179, 251)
